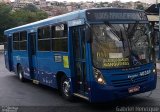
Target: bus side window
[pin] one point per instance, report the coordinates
(5, 43)
(16, 41)
(44, 40)
(23, 40)
(60, 38)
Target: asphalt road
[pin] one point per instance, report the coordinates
(28, 97)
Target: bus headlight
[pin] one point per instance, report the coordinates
(98, 76)
(154, 70)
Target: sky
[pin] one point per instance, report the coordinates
(148, 1)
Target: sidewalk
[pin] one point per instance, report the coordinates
(158, 68)
(1, 49)
(1, 52)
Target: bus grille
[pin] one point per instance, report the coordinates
(128, 82)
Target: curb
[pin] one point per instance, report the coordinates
(158, 69)
(158, 73)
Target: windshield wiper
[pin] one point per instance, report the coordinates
(121, 35)
(131, 29)
(122, 40)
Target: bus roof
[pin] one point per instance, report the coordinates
(80, 14)
(56, 19)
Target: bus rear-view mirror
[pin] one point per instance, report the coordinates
(155, 34)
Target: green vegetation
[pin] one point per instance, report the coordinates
(11, 18)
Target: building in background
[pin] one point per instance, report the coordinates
(5, 1)
(22, 3)
(25, 1)
(42, 3)
(54, 8)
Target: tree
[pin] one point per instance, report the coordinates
(28, 14)
(31, 8)
(6, 20)
(140, 7)
(10, 18)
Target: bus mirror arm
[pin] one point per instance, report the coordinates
(88, 35)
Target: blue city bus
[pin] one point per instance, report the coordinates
(97, 54)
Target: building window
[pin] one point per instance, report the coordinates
(60, 38)
(44, 40)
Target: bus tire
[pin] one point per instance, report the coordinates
(20, 73)
(65, 89)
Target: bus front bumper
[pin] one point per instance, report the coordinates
(109, 93)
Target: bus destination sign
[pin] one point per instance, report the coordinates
(115, 15)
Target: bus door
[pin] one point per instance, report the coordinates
(79, 54)
(32, 53)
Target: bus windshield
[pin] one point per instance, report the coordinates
(120, 45)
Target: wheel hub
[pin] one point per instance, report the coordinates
(66, 87)
(20, 75)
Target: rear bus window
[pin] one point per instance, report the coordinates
(23, 40)
(16, 41)
(5, 43)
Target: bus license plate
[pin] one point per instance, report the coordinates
(133, 89)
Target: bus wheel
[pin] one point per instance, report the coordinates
(65, 89)
(20, 73)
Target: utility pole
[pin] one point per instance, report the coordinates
(158, 6)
